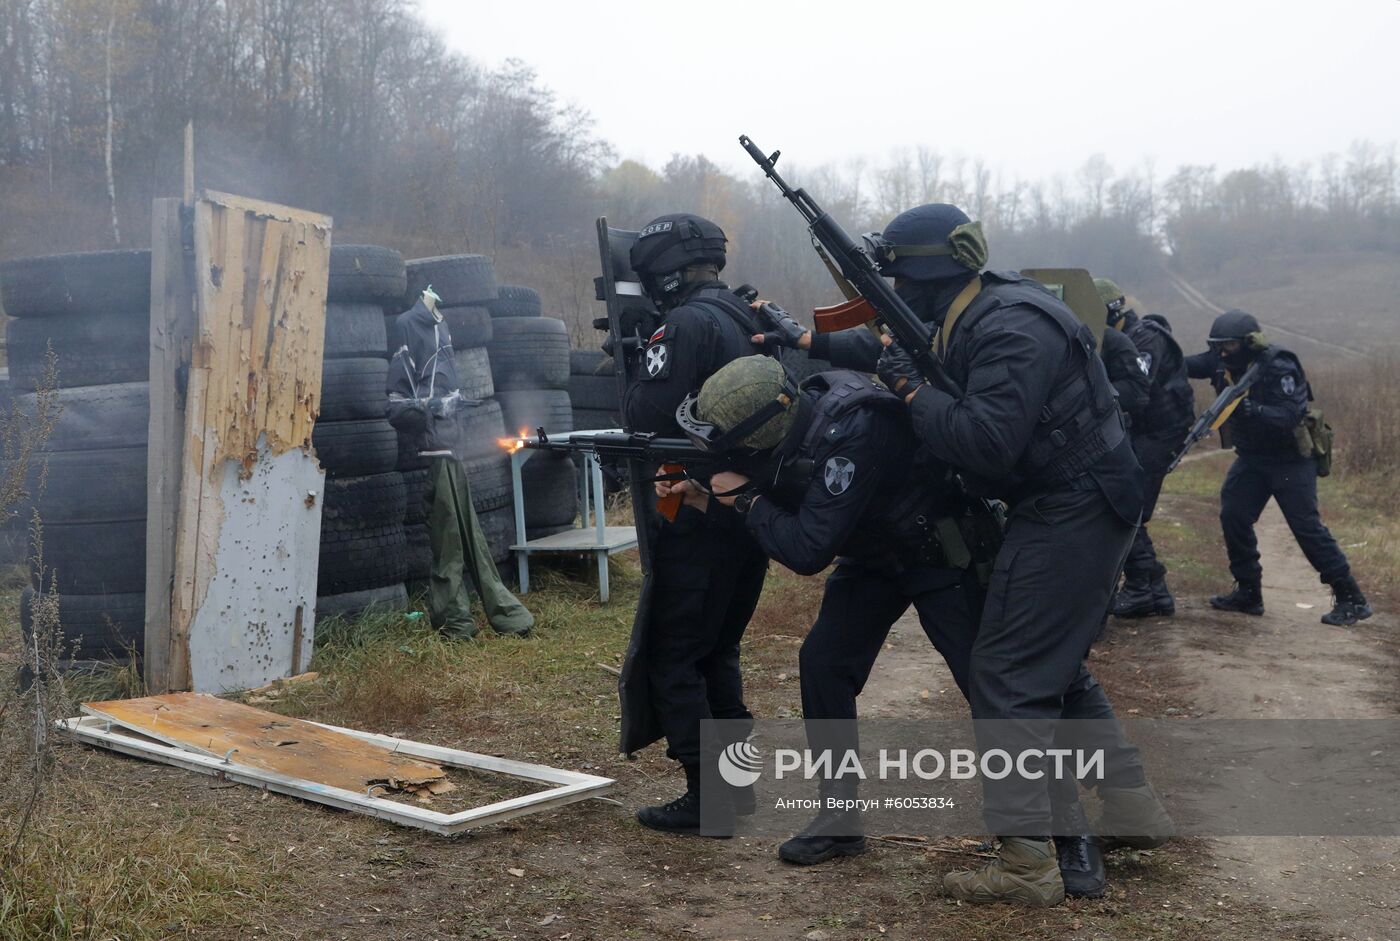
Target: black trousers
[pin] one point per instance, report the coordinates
(1154, 453)
(1292, 482)
(1049, 589)
(707, 585)
(858, 608)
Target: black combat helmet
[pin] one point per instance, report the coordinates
(930, 243)
(669, 244)
(1234, 325)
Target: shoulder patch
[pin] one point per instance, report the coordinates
(838, 474)
(1288, 384)
(1144, 361)
(660, 334)
(657, 360)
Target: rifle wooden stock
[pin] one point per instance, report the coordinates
(853, 313)
(669, 505)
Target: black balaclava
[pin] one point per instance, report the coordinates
(930, 300)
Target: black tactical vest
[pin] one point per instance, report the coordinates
(735, 321)
(1079, 422)
(902, 516)
(1171, 405)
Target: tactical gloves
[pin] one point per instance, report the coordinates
(898, 371)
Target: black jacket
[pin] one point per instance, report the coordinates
(1170, 406)
(694, 340)
(709, 329)
(850, 485)
(424, 391)
(1126, 372)
(1280, 399)
(1011, 360)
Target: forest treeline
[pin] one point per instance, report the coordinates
(356, 108)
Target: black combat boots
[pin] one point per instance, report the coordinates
(1163, 603)
(1080, 856)
(831, 833)
(682, 815)
(1144, 596)
(1349, 604)
(1246, 599)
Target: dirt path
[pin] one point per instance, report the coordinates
(1288, 665)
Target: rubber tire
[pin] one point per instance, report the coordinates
(95, 558)
(409, 458)
(499, 528)
(589, 419)
(512, 300)
(355, 330)
(366, 273)
(356, 448)
(489, 479)
(416, 487)
(539, 532)
(595, 392)
(551, 490)
(387, 599)
(357, 503)
(591, 363)
(357, 559)
(97, 417)
(474, 372)
(353, 389)
(93, 626)
(102, 283)
(92, 349)
(530, 353)
(100, 486)
(419, 551)
(533, 408)
(482, 429)
(469, 326)
(456, 279)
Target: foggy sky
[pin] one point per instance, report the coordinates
(1032, 87)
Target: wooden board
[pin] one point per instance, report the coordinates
(264, 740)
(171, 329)
(569, 786)
(249, 507)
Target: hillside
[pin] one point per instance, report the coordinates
(1314, 303)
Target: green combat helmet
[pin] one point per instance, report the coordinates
(749, 403)
(1113, 299)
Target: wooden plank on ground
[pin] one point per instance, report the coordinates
(264, 740)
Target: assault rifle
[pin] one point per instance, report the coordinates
(673, 454)
(870, 298)
(1223, 406)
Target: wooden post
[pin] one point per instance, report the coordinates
(172, 326)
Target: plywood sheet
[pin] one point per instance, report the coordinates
(211, 726)
(249, 516)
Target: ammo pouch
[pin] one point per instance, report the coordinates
(1314, 438)
(969, 541)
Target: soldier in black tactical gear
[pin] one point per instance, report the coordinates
(1272, 459)
(837, 475)
(1032, 422)
(1159, 426)
(708, 571)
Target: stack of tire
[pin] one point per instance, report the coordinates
(364, 551)
(466, 285)
(593, 390)
(530, 365)
(92, 309)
